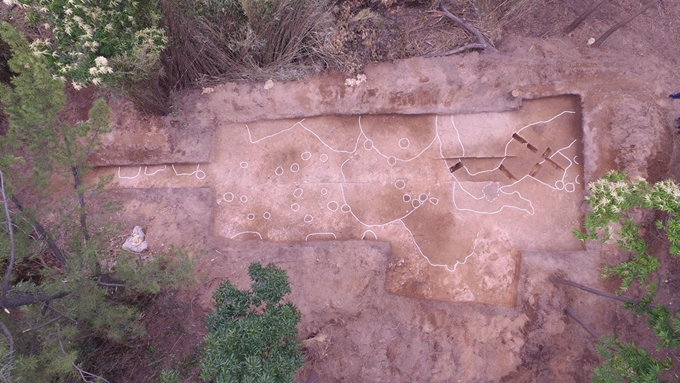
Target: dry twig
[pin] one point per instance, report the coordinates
(613, 29)
(481, 43)
(584, 16)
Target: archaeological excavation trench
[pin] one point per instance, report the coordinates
(458, 197)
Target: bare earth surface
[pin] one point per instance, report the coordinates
(419, 213)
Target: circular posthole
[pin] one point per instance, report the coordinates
(415, 203)
(278, 171)
(244, 164)
(569, 187)
(324, 191)
(404, 143)
(392, 160)
(345, 208)
(332, 206)
(323, 158)
(434, 200)
(267, 215)
(306, 156)
(294, 167)
(294, 207)
(297, 193)
(200, 174)
(559, 185)
(228, 197)
(243, 199)
(400, 184)
(251, 217)
(368, 144)
(406, 198)
(422, 197)
(308, 218)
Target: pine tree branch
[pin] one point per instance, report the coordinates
(10, 339)
(41, 230)
(25, 300)
(10, 231)
(481, 43)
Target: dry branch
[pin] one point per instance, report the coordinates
(481, 43)
(613, 29)
(584, 16)
(41, 230)
(578, 320)
(10, 231)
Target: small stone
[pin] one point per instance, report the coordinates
(591, 41)
(136, 242)
(269, 84)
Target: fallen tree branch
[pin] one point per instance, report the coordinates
(613, 29)
(10, 232)
(578, 320)
(570, 28)
(481, 43)
(25, 300)
(605, 294)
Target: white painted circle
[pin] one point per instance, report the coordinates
(278, 171)
(228, 197)
(297, 193)
(323, 158)
(266, 215)
(404, 143)
(434, 200)
(294, 167)
(294, 207)
(244, 199)
(345, 208)
(244, 164)
(392, 160)
(332, 206)
(306, 156)
(400, 184)
(406, 198)
(559, 185)
(415, 203)
(569, 187)
(324, 191)
(198, 174)
(308, 218)
(251, 216)
(422, 197)
(368, 144)
(576, 162)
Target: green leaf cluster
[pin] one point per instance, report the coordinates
(252, 334)
(624, 362)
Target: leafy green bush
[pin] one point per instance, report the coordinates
(94, 41)
(252, 335)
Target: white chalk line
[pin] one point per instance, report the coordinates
(436, 138)
(246, 232)
(309, 235)
(200, 174)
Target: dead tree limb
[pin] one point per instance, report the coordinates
(613, 29)
(10, 231)
(41, 230)
(578, 320)
(570, 28)
(481, 43)
(605, 294)
(24, 300)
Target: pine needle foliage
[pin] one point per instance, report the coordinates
(75, 299)
(252, 334)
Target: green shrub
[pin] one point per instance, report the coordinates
(252, 334)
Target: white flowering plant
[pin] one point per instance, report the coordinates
(97, 41)
(612, 198)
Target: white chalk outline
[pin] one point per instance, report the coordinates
(375, 236)
(311, 234)
(246, 232)
(455, 185)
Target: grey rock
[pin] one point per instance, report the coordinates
(136, 242)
